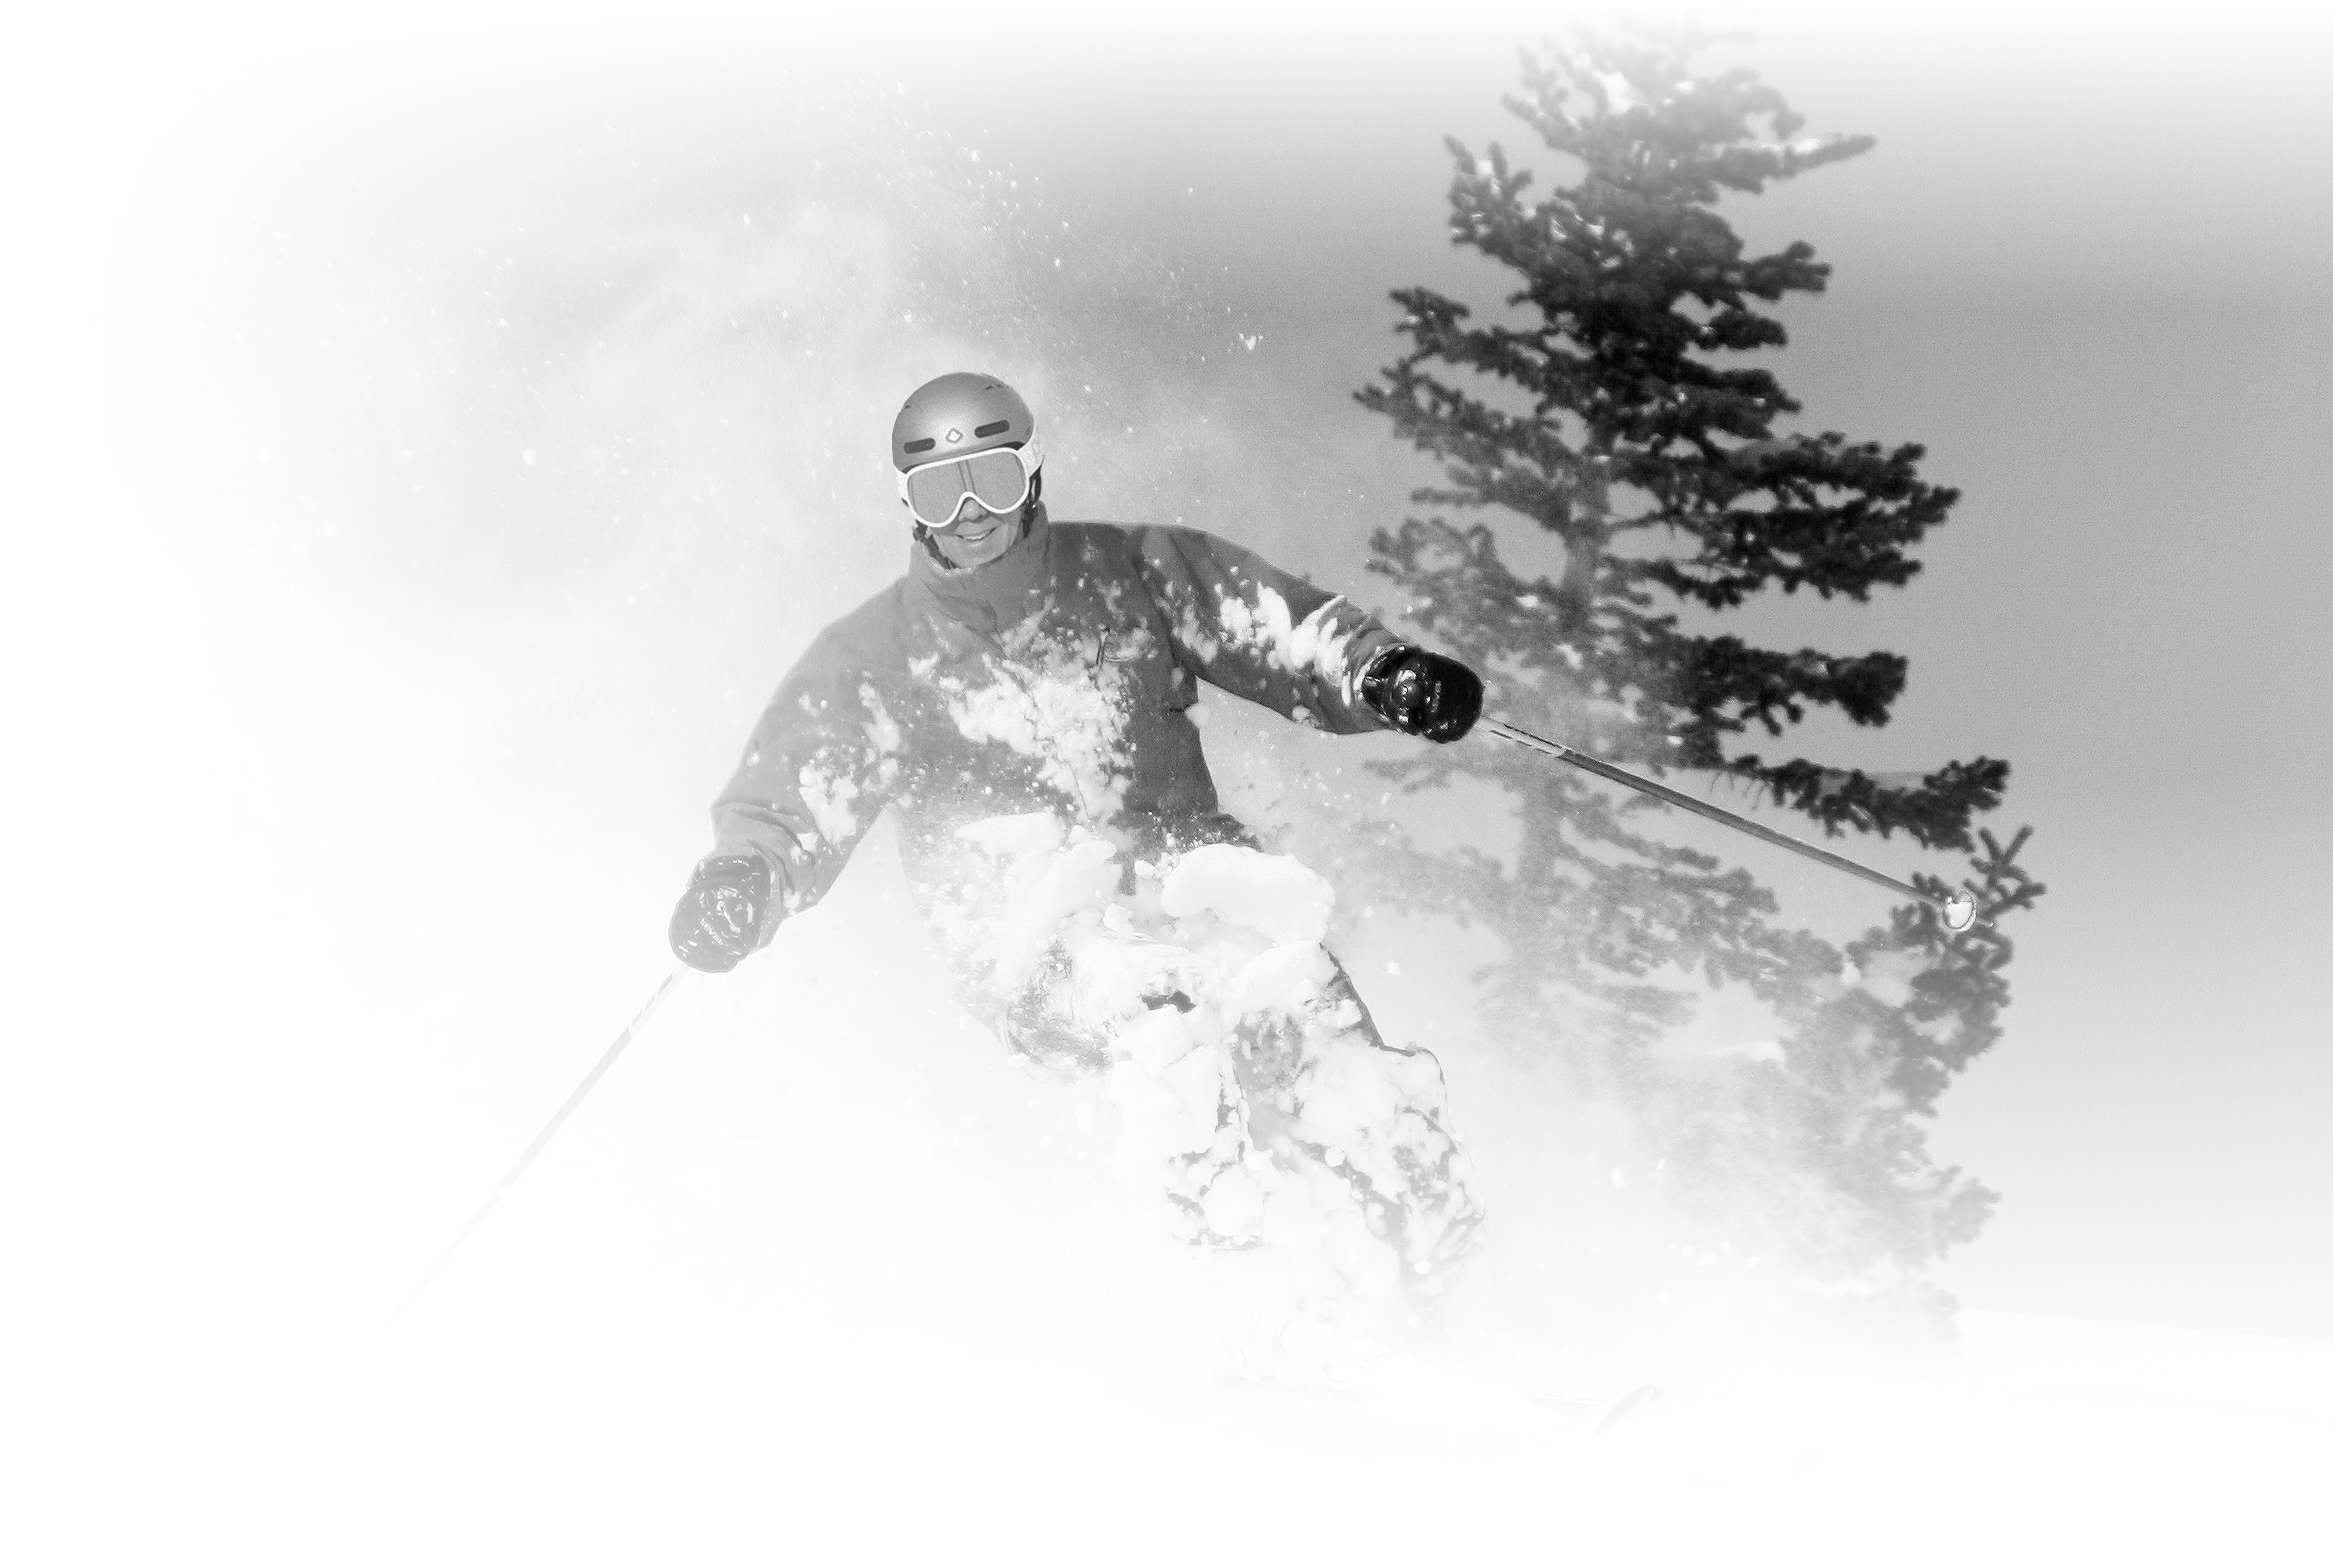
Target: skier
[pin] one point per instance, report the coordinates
(1021, 699)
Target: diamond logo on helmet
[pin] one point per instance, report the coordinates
(955, 436)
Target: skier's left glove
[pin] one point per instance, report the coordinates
(1418, 692)
(725, 913)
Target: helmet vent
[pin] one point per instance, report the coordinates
(991, 429)
(923, 445)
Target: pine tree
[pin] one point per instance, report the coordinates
(1608, 407)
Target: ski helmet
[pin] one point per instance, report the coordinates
(957, 414)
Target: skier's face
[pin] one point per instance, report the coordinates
(979, 537)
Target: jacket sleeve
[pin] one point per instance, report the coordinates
(821, 765)
(1243, 625)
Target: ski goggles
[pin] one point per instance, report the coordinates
(995, 478)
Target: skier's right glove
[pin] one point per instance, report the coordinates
(725, 914)
(1422, 693)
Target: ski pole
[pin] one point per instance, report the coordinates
(534, 1148)
(1957, 911)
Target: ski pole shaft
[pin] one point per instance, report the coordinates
(534, 1148)
(1957, 911)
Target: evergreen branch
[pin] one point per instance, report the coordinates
(1725, 685)
(1936, 811)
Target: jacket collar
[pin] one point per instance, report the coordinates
(991, 599)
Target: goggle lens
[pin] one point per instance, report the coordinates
(995, 478)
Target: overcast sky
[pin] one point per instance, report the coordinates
(488, 402)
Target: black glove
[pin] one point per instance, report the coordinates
(724, 914)
(1422, 693)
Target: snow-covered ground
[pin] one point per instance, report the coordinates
(671, 1422)
(818, 1269)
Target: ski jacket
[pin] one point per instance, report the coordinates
(1058, 678)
